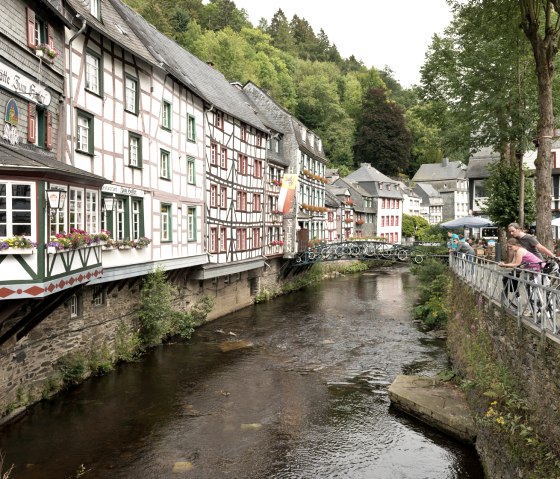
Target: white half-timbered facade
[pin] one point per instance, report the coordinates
(135, 124)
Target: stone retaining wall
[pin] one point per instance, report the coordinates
(531, 361)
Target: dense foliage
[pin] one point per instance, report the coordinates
(304, 72)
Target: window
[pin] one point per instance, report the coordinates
(99, 297)
(57, 217)
(223, 157)
(243, 134)
(131, 95)
(165, 226)
(241, 239)
(84, 137)
(258, 168)
(213, 246)
(257, 202)
(219, 120)
(213, 195)
(39, 126)
(213, 154)
(330, 216)
(191, 128)
(256, 237)
(223, 239)
(241, 201)
(191, 172)
(134, 150)
(166, 115)
(119, 229)
(259, 139)
(94, 72)
(92, 211)
(16, 209)
(136, 219)
(164, 165)
(75, 305)
(381, 186)
(243, 166)
(223, 197)
(94, 8)
(191, 226)
(76, 208)
(554, 163)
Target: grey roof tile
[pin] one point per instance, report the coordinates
(201, 78)
(451, 170)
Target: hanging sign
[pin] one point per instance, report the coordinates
(16, 82)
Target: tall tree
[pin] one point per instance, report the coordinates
(382, 138)
(541, 25)
(280, 32)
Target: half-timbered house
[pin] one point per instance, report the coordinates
(304, 150)
(35, 277)
(142, 128)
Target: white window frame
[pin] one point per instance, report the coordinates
(165, 222)
(93, 73)
(76, 199)
(131, 94)
(9, 225)
(191, 223)
(92, 211)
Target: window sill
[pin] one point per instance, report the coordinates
(164, 178)
(135, 167)
(88, 153)
(135, 113)
(166, 128)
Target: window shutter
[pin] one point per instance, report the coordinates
(50, 37)
(31, 123)
(48, 136)
(30, 28)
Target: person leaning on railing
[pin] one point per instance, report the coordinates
(464, 247)
(522, 258)
(529, 242)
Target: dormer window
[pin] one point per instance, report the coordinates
(388, 187)
(380, 186)
(219, 120)
(304, 135)
(319, 145)
(94, 7)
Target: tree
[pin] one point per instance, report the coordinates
(382, 138)
(539, 21)
(413, 226)
(502, 188)
(280, 32)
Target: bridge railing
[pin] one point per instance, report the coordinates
(530, 297)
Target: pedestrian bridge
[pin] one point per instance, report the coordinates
(363, 250)
(533, 298)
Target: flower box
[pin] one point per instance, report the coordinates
(22, 251)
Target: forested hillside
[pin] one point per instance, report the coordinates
(362, 113)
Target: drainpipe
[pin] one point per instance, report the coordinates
(71, 88)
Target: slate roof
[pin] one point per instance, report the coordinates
(331, 200)
(20, 159)
(478, 167)
(198, 76)
(369, 178)
(451, 170)
(113, 26)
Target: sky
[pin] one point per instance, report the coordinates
(378, 32)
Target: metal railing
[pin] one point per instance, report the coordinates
(531, 297)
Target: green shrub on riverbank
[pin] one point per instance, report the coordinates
(434, 279)
(159, 319)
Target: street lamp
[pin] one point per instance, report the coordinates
(109, 203)
(56, 198)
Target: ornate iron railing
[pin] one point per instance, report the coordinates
(360, 249)
(530, 297)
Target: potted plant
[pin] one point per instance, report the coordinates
(44, 50)
(141, 242)
(16, 245)
(124, 244)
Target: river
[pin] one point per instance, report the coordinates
(294, 388)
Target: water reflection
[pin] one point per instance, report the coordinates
(295, 388)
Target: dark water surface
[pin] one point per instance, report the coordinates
(307, 399)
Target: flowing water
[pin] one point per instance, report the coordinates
(294, 388)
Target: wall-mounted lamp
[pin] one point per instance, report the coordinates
(109, 203)
(56, 199)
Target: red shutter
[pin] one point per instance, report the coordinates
(50, 38)
(30, 28)
(48, 136)
(31, 123)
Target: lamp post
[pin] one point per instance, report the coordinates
(56, 198)
(108, 206)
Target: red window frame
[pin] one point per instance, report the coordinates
(257, 202)
(223, 156)
(223, 197)
(258, 168)
(214, 154)
(213, 195)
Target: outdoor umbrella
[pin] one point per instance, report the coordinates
(467, 222)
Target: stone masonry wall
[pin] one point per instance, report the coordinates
(529, 358)
(25, 366)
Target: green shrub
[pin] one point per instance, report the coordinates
(128, 344)
(435, 281)
(73, 367)
(100, 360)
